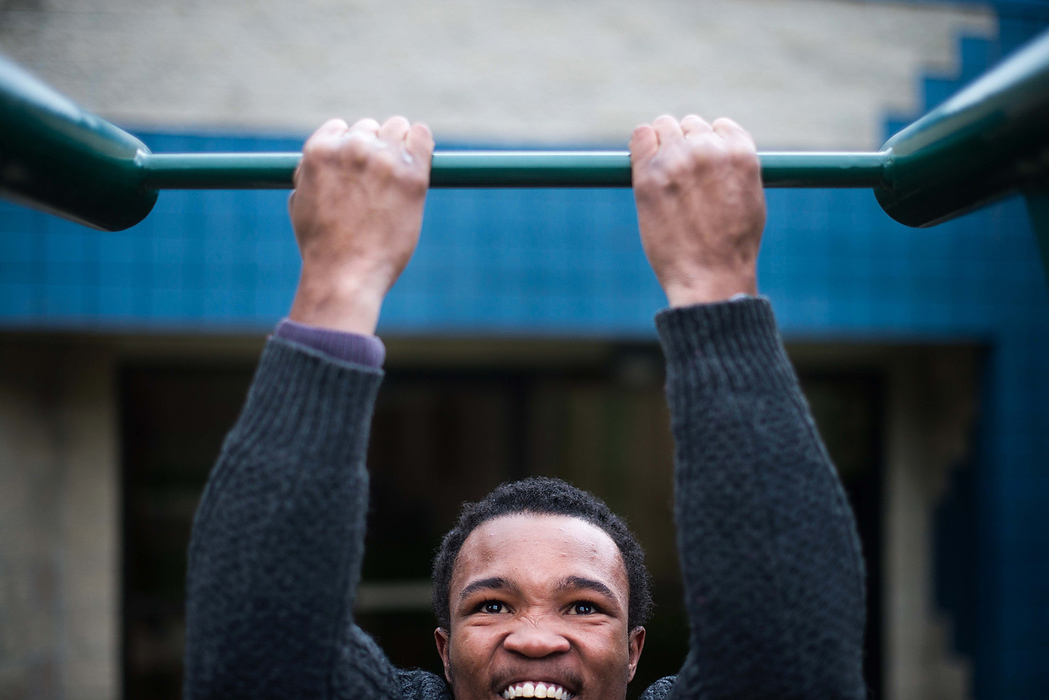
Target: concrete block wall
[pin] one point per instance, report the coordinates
(798, 73)
(59, 524)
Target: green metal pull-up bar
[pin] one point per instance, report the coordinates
(503, 169)
(988, 140)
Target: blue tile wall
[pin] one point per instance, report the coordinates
(569, 263)
(992, 546)
(527, 261)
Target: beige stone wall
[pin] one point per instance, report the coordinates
(60, 505)
(798, 73)
(932, 405)
(59, 516)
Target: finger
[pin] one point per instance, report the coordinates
(733, 133)
(328, 132)
(330, 128)
(365, 126)
(643, 144)
(694, 126)
(394, 130)
(668, 130)
(419, 143)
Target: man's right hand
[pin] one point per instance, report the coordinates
(700, 207)
(357, 210)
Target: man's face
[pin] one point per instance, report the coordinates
(539, 607)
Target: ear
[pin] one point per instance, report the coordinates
(441, 636)
(637, 643)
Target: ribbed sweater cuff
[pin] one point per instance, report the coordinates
(303, 399)
(734, 341)
(359, 349)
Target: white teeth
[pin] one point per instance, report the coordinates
(550, 691)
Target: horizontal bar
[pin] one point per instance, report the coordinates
(202, 171)
(530, 169)
(218, 171)
(986, 141)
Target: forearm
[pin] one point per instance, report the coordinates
(769, 552)
(278, 539)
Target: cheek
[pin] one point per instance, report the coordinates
(469, 648)
(607, 647)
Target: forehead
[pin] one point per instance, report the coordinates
(539, 549)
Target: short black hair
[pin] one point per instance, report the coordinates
(543, 496)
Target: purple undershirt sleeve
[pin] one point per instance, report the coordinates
(366, 350)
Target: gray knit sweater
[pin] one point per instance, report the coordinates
(768, 547)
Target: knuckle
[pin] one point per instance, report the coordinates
(716, 157)
(355, 150)
(679, 165)
(646, 183)
(653, 182)
(744, 158)
(383, 161)
(318, 160)
(317, 149)
(693, 121)
(365, 124)
(417, 182)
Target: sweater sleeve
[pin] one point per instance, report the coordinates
(768, 546)
(278, 541)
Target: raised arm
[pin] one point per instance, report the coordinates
(768, 547)
(278, 539)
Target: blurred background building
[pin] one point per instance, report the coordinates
(520, 337)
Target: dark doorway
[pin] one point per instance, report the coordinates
(849, 409)
(173, 421)
(442, 436)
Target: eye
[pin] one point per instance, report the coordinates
(492, 607)
(583, 607)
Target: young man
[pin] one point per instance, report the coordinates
(540, 591)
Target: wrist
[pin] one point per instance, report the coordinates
(346, 303)
(710, 288)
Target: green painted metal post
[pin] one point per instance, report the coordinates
(986, 141)
(59, 158)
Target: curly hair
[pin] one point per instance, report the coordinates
(543, 496)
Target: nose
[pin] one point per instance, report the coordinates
(535, 640)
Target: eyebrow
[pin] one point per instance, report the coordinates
(494, 583)
(580, 583)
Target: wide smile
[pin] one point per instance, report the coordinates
(536, 689)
